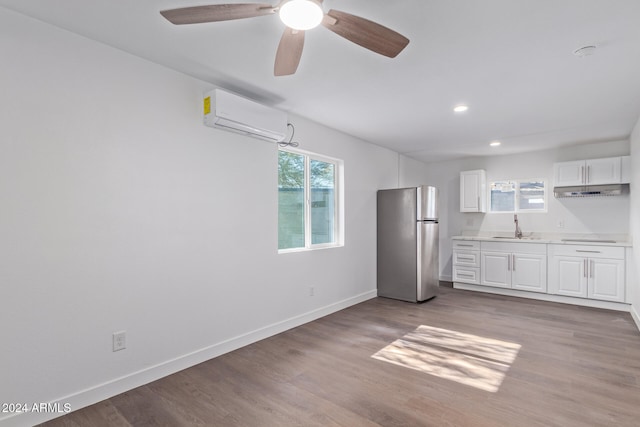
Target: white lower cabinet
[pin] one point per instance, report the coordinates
(495, 269)
(595, 272)
(529, 272)
(567, 276)
(466, 261)
(520, 266)
(579, 271)
(606, 279)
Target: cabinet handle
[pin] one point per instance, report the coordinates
(585, 267)
(465, 275)
(588, 174)
(514, 262)
(478, 203)
(582, 177)
(466, 258)
(590, 252)
(467, 246)
(591, 268)
(509, 263)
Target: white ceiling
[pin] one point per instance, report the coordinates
(511, 61)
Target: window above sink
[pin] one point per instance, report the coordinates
(518, 195)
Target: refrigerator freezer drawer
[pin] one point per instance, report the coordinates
(428, 260)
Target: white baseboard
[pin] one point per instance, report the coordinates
(635, 316)
(95, 394)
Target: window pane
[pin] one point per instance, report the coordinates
(531, 195)
(322, 179)
(290, 200)
(503, 196)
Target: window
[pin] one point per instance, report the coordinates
(308, 200)
(518, 196)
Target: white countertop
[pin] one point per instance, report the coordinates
(559, 240)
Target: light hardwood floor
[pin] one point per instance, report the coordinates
(576, 366)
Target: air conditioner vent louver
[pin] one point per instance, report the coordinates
(591, 191)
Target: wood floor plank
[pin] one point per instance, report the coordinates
(576, 366)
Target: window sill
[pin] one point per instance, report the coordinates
(311, 249)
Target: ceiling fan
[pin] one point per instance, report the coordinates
(298, 16)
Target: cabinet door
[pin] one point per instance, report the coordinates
(569, 173)
(472, 197)
(529, 272)
(606, 279)
(568, 276)
(495, 269)
(604, 171)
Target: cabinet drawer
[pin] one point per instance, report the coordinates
(466, 258)
(466, 275)
(587, 251)
(519, 247)
(466, 244)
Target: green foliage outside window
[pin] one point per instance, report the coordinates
(293, 183)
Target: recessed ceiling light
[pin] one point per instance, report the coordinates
(495, 143)
(460, 108)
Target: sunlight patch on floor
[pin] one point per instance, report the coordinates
(467, 359)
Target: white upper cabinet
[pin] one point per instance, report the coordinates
(588, 172)
(473, 191)
(569, 173)
(603, 171)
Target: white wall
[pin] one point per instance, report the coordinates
(634, 262)
(121, 211)
(609, 215)
(414, 173)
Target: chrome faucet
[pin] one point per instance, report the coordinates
(518, 231)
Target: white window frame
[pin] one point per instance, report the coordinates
(338, 194)
(516, 206)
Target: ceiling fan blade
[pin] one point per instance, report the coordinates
(216, 12)
(289, 52)
(365, 33)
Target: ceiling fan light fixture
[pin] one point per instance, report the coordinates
(301, 14)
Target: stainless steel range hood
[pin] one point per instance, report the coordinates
(591, 190)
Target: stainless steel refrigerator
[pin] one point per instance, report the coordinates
(408, 243)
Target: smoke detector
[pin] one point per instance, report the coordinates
(584, 51)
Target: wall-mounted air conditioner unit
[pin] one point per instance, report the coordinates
(224, 110)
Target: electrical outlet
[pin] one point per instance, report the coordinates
(312, 291)
(119, 340)
(560, 223)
